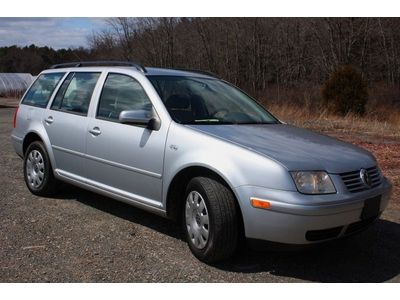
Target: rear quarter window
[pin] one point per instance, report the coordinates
(42, 89)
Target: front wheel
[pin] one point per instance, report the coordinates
(210, 220)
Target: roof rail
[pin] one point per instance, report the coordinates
(198, 71)
(100, 63)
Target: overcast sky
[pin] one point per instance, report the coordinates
(53, 32)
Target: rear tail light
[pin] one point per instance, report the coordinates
(15, 117)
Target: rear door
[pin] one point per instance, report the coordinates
(66, 122)
(125, 159)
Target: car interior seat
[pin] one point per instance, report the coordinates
(179, 107)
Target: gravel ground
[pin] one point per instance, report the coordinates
(83, 237)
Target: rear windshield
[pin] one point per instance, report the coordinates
(42, 89)
(198, 100)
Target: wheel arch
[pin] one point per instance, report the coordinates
(29, 139)
(177, 188)
(33, 136)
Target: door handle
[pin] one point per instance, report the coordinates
(49, 120)
(95, 131)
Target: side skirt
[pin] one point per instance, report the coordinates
(131, 199)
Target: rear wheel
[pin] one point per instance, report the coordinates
(38, 173)
(210, 220)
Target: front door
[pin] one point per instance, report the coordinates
(125, 159)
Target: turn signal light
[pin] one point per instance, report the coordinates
(260, 203)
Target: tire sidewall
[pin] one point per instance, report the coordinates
(38, 146)
(195, 185)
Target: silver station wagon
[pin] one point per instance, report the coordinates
(191, 147)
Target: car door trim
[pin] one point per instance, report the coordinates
(69, 151)
(108, 162)
(129, 168)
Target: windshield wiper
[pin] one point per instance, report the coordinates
(257, 123)
(221, 122)
(209, 122)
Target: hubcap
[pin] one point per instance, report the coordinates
(197, 221)
(35, 169)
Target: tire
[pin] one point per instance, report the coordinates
(38, 173)
(223, 221)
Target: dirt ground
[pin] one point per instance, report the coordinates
(79, 236)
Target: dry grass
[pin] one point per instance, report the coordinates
(386, 124)
(303, 106)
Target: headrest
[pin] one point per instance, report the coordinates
(177, 102)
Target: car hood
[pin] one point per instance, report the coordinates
(293, 147)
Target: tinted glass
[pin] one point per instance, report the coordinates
(121, 92)
(41, 91)
(195, 100)
(61, 91)
(77, 95)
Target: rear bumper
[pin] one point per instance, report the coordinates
(300, 220)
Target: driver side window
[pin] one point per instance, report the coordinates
(121, 92)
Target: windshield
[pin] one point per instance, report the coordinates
(194, 100)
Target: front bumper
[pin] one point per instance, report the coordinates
(292, 216)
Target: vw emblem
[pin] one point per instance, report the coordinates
(365, 178)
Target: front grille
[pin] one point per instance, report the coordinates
(323, 234)
(360, 225)
(354, 184)
(331, 233)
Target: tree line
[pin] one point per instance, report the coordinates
(254, 53)
(33, 59)
(257, 52)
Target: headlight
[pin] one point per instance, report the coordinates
(315, 182)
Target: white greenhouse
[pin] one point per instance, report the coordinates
(14, 83)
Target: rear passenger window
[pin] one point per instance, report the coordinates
(75, 93)
(121, 92)
(61, 91)
(41, 91)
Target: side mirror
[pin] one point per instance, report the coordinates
(140, 118)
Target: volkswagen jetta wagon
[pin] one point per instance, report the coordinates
(194, 148)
